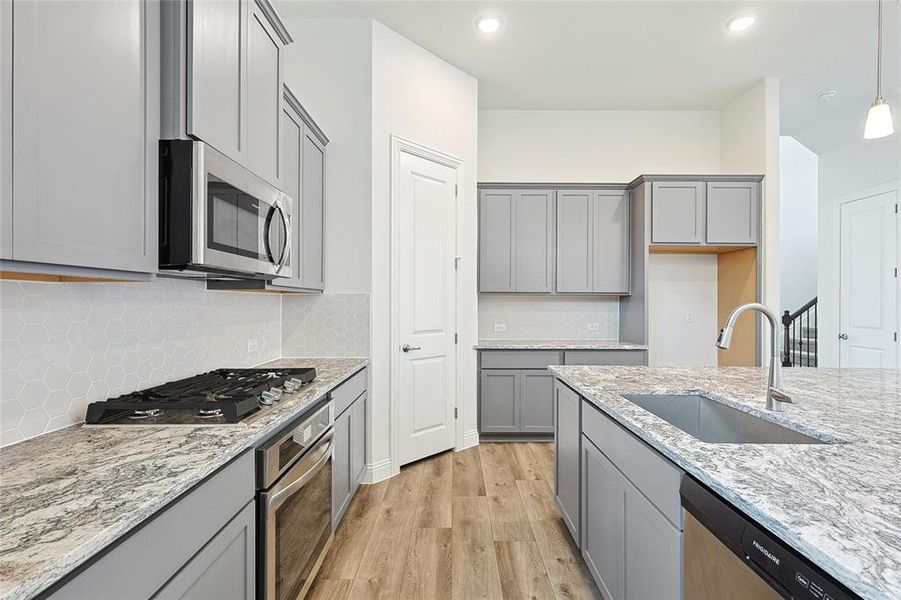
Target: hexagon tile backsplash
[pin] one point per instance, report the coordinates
(67, 344)
(325, 325)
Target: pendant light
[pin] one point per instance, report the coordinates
(879, 118)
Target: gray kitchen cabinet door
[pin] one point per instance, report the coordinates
(341, 478)
(653, 550)
(265, 57)
(567, 436)
(534, 234)
(291, 156)
(497, 241)
(224, 569)
(733, 210)
(499, 401)
(677, 212)
(357, 443)
(610, 243)
(217, 89)
(313, 211)
(575, 229)
(603, 524)
(536, 402)
(84, 147)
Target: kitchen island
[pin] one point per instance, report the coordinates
(69, 495)
(838, 503)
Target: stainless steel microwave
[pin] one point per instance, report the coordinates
(218, 219)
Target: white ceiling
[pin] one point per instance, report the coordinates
(645, 55)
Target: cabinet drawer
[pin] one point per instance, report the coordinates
(653, 475)
(345, 394)
(605, 357)
(519, 359)
(172, 537)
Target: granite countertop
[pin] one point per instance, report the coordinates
(837, 504)
(66, 495)
(557, 345)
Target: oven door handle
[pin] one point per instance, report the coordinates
(292, 481)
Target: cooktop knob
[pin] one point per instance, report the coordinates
(271, 395)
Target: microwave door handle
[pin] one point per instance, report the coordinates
(279, 496)
(286, 249)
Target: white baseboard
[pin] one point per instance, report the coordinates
(378, 471)
(470, 439)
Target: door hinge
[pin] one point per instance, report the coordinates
(455, 412)
(896, 336)
(457, 263)
(896, 209)
(455, 338)
(896, 271)
(457, 191)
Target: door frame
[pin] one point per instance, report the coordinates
(862, 194)
(401, 145)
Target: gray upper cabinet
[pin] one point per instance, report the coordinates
(222, 65)
(312, 212)
(677, 212)
(534, 257)
(733, 210)
(265, 59)
(80, 143)
(593, 241)
(575, 230)
(497, 239)
(516, 241)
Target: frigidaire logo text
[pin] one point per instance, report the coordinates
(767, 553)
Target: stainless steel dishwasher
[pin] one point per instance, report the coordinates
(728, 555)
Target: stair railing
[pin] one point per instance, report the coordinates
(793, 323)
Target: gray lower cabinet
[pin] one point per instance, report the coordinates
(677, 212)
(224, 569)
(631, 513)
(567, 483)
(202, 546)
(516, 401)
(516, 241)
(605, 357)
(348, 458)
(733, 212)
(79, 143)
(593, 255)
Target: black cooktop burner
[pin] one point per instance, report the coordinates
(220, 396)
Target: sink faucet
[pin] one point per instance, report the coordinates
(775, 397)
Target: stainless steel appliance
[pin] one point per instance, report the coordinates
(215, 398)
(295, 505)
(217, 219)
(728, 555)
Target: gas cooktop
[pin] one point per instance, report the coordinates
(217, 397)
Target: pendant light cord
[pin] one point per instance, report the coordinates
(879, 55)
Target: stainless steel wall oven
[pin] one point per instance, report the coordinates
(295, 505)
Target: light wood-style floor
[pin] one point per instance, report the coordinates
(481, 523)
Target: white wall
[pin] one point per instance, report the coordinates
(420, 97)
(329, 69)
(682, 288)
(595, 146)
(750, 145)
(798, 189)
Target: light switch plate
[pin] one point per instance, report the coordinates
(689, 317)
(499, 327)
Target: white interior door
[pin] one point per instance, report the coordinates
(426, 307)
(868, 302)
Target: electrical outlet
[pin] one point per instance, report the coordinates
(689, 317)
(252, 346)
(499, 327)
(594, 327)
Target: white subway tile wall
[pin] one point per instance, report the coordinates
(325, 325)
(67, 344)
(548, 317)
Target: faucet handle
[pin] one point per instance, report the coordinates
(780, 396)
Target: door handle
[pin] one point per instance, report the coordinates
(843, 336)
(409, 348)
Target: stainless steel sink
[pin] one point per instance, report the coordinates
(714, 422)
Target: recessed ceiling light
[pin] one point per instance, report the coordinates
(488, 23)
(826, 95)
(741, 22)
